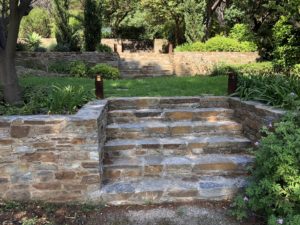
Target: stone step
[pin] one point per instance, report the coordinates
(176, 166)
(189, 114)
(182, 146)
(161, 190)
(168, 102)
(172, 129)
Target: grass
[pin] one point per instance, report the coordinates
(162, 86)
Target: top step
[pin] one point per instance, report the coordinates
(168, 102)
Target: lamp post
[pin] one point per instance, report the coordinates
(99, 87)
(232, 82)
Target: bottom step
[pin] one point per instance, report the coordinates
(160, 190)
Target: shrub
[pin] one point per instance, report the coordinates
(261, 68)
(59, 67)
(274, 189)
(67, 99)
(37, 21)
(218, 44)
(275, 89)
(191, 47)
(78, 69)
(241, 32)
(225, 44)
(103, 48)
(32, 41)
(287, 45)
(107, 71)
(296, 70)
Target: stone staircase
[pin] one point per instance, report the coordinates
(173, 149)
(134, 65)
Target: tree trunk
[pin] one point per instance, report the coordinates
(8, 73)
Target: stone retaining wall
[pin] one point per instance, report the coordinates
(179, 63)
(59, 158)
(42, 60)
(52, 158)
(192, 63)
(253, 116)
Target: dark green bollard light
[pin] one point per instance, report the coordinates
(232, 82)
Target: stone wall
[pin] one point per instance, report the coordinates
(143, 63)
(42, 60)
(52, 158)
(253, 116)
(192, 63)
(59, 158)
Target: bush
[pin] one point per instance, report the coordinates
(78, 69)
(287, 45)
(37, 21)
(32, 41)
(275, 89)
(67, 99)
(241, 32)
(107, 71)
(296, 70)
(218, 44)
(225, 44)
(261, 68)
(59, 67)
(103, 48)
(274, 189)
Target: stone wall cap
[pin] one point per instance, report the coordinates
(91, 110)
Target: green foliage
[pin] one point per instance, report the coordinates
(92, 23)
(218, 43)
(103, 48)
(67, 99)
(32, 41)
(194, 11)
(273, 89)
(78, 69)
(287, 44)
(37, 21)
(106, 71)
(274, 189)
(67, 38)
(225, 44)
(32, 221)
(59, 67)
(241, 32)
(296, 70)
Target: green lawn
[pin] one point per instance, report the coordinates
(163, 86)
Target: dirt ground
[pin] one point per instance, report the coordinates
(197, 213)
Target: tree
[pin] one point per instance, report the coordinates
(92, 23)
(66, 37)
(170, 13)
(115, 11)
(194, 11)
(12, 12)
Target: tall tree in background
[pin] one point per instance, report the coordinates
(194, 11)
(12, 12)
(115, 11)
(92, 23)
(167, 12)
(66, 38)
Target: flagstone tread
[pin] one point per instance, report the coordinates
(158, 190)
(181, 160)
(211, 114)
(158, 124)
(171, 141)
